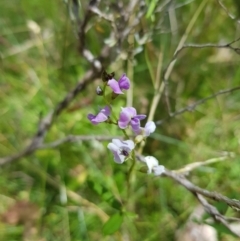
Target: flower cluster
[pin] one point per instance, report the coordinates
(128, 117)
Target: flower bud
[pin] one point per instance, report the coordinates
(99, 91)
(139, 139)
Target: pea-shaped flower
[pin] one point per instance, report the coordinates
(101, 116)
(120, 149)
(118, 86)
(128, 116)
(153, 166)
(149, 128)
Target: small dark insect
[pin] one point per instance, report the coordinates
(106, 77)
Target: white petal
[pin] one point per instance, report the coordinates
(119, 158)
(112, 147)
(151, 162)
(117, 142)
(130, 144)
(150, 127)
(158, 170)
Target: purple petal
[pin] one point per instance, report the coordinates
(124, 120)
(124, 82)
(135, 124)
(130, 111)
(91, 116)
(150, 127)
(100, 117)
(115, 86)
(140, 117)
(106, 110)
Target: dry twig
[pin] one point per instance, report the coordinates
(217, 216)
(235, 204)
(72, 138)
(191, 108)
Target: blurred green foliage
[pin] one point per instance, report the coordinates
(40, 63)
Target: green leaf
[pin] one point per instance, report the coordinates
(151, 8)
(221, 207)
(115, 204)
(113, 224)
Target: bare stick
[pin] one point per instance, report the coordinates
(72, 138)
(188, 168)
(199, 102)
(85, 52)
(226, 11)
(211, 45)
(215, 213)
(46, 122)
(180, 48)
(235, 204)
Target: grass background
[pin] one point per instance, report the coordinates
(40, 64)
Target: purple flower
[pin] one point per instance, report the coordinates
(120, 149)
(128, 116)
(118, 86)
(149, 128)
(101, 116)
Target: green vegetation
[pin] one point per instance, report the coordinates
(69, 192)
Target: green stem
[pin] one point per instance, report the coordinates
(125, 134)
(130, 172)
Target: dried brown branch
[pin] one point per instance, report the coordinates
(46, 122)
(215, 213)
(188, 168)
(207, 45)
(172, 62)
(73, 138)
(226, 11)
(200, 193)
(235, 204)
(191, 108)
(210, 45)
(84, 51)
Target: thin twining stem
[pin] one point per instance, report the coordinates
(199, 102)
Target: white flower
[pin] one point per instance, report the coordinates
(150, 127)
(153, 167)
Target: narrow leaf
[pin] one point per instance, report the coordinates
(113, 224)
